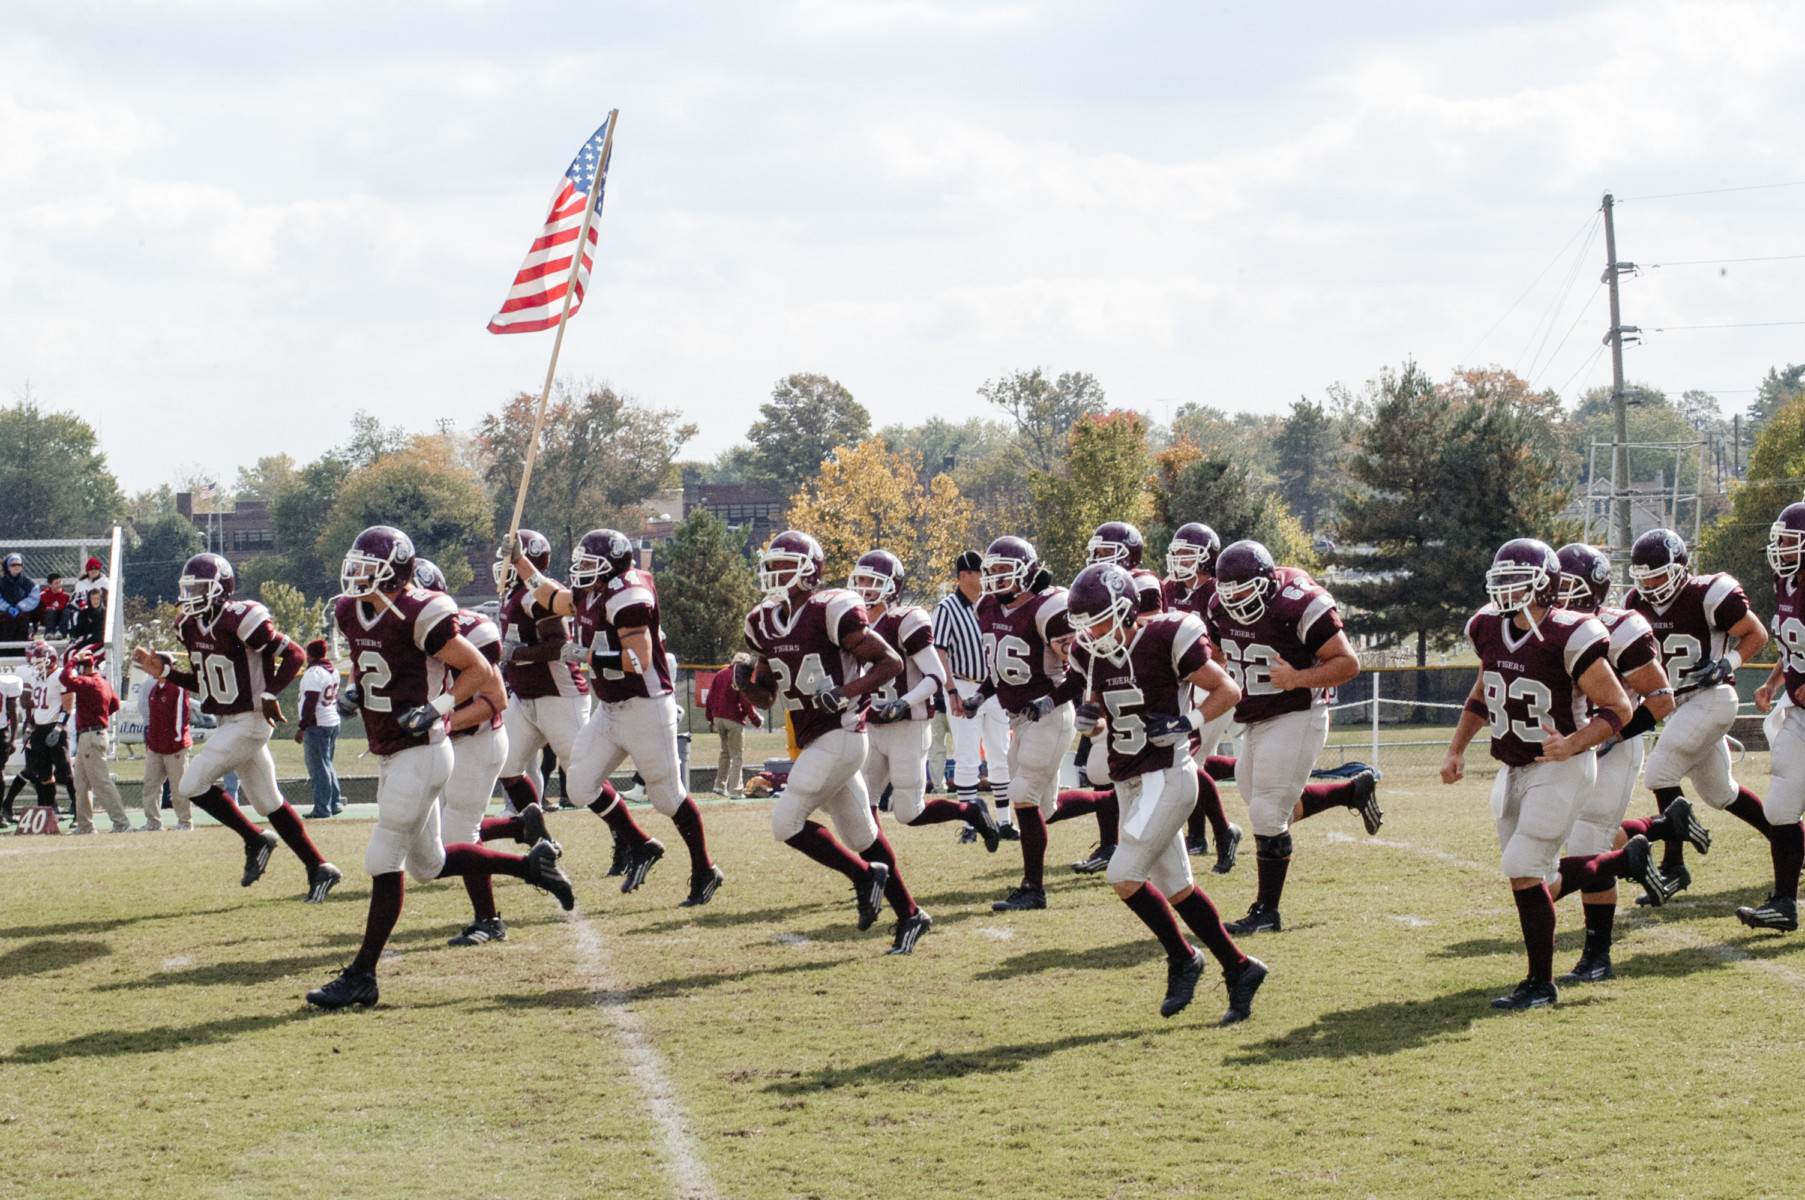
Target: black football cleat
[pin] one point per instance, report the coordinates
(702, 888)
(1641, 868)
(256, 857)
(1197, 847)
(1529, 994)
(986, 827)
(871, 893)
(969, 835)
(480, 933)
(644, 857)
(354, 985)
(1677, 881)
(1366, 802)
(1776, 912)
(1241, 990)
(909, 931)
(543, 872)
(1097, 860)
(532, 828)
(1007, 831)
(1591, 968)
(321, 880)
(623, 858)
(1261, 918)
(1022, 899)
(1226, 849)
(1682, 820)
(1181, 984)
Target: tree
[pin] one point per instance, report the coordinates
(1244, 438)
(1308, 449)
(987, 466)
(1777, 390)
(1220, 492)
(868, 498)
(421, 490)
(1737, 542)
(705, 589)
(53, 481)
(153, 568)
(298, 516)
(291, 611)
(263, 481)
(807, 416)
(371, 440)
(1044, 411)
(1107, 463)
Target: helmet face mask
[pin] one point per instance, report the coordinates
(1102, 606)
(205, 583)
(601, 555)
(790, 563)
(40, 655)
(1245, 600)
(1786, 542)
(1115, 542)
(1245, 577)
(380, 560)
(533, 547)
(1192, 553)
(1659, 584)
(1524, 572)
(1659, 565)
(1008, 567)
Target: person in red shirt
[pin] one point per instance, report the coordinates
(167, 739)
(53, 606)
(730, 712)
(91, 698)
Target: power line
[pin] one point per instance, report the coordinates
(1758, 187)
(1589, 223)
(1712, 262)
(1732, 325)
(1578, 317)
(1555, 309)
(1583, 367)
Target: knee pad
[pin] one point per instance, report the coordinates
(1591, 837)
(387, 851)
(1276, 846)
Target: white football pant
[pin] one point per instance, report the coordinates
(533, 725)
(1691, 746)
(1600, 817)
(475, 766)
(1277, 756)
(644, 727)
(1534, 807)
(1785, 802)
(897, 754)
(407, 835)
(1152, 845)
(826, 776)
(1036, 750)
(241, 744)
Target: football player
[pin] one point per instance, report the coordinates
(1539, 667)
(404, 641)
(1785, 687)
(1189, 586)
(614, 605)
(548, 698)
(1134, 672)
(1705, 630)
(1283, 645)
(899, 720)
(46, 729)
(238, 664)
(813, 649)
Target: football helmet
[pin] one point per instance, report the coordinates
(1659, 565)
(1523, 572)
(380, 560)
(40, 655)
(533, 546)
(877, 577)
(1009, 566)
(1245, 576)
(1585, 577)
(1786, 542)
(1193, 552)
(428, 576)
(1115, 542)
(601, 555)
(792, 560)
(1102, 606)
(205, 586)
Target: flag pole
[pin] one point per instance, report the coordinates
(570, 290)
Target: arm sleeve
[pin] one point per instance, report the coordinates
(31, 600)
(310, 703)
(550, 644)
(1070, 689)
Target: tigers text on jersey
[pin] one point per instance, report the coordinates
(1789, 629)
(42, 695)
(230, 656)
(1182, 597)
(909, 630)
(1165, 651)
(1018, 642)
(391, 661)
(1299, 619)
(480, 632)
(628, 601)
(1632, 644)
(802, 644)
(1530, 680)
(1691, 627)
(519, 621)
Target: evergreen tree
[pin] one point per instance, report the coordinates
(705, 589)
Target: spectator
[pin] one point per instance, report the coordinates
(53, 606)
(91, 698)
(730, 713)
(11, 688)
(89, 627)
(318, 732)
(18, 601)
(90, 579)
(167, 738)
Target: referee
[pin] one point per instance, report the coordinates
(982, 733)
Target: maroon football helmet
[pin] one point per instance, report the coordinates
(1585, 577)
(41, 655)
(1245, 575)
(1116, 542)
(380, 560)
(1009, 566)
(533, 545)
(1523, 572)
(1659, 565)
(1786, 542)
(1192, 554)
(205, 586)
(1102, 607)
(601, 555)
(428, 576)
(877, 577)
(792, 560)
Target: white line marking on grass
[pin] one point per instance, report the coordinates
(1453, 860)
(789, 939)
(682, 1156)
(1001, 935)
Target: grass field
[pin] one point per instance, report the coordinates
(156, 1043)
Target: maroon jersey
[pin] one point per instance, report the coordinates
(1299, 620)
(909, 630)
(1789, 629)
(520, 617)
(803, 648)
(1018, 645)
(1691, 627)
(391, 660)
(480, 632)
(1532, 682)
(1150, 590)
(628, 601)
(231, 656)
(1165, 651)
(1632, 644)
(1182, 597)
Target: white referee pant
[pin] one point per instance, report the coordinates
(980, 739)
(475, 766)
(241, 744)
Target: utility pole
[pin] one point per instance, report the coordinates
(1620, 454)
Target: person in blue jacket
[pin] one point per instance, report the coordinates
(18, 599)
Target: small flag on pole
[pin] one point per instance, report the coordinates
(537, 297)
(206, 491)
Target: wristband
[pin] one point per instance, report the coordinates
(493, 711)
(1641, 721)
(1666, 691)
(1194, 719)
(607, 660)
(443, 703)
(267, 696)
(1609, 717)
(537, 581)
(1478, 709)
(1734, 658)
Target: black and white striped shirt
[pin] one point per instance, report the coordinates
(956, 632)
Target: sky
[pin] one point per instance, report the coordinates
(227, 226)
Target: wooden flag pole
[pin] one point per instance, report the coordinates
(570, 291)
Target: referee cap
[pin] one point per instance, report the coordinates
(969, 560)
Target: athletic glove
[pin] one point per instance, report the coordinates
(1088, 716)
(890, 711)
(54, 738)
(1164, 729)
(742, 671)
(1034, 710)
(573, 652)
(1710, 674)
(350, 701)
(832, 700)
(419, 719)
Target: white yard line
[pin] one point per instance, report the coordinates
(682, 1156)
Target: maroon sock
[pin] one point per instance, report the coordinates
(1151, 907)
(520, 791)
(622, 825)
(1535, 912)
(386, 893)
(1786, 843)
(896, 891)
(1209, 808)
(1673, 851)
(1075, 802)
(481, 890)
(1747, 807)
(1221, 768)
(1638, 825)
(494, 829)
(822, 846)
(1201, 915)
(1109, 819)
(1596, 873)
(1272, 879)
(938, 812)
(1034, 846)
(287, 824)
(1320, 797)
(473, 858)
(688, 820)
(216, 804)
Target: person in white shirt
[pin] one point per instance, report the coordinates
(318, 731)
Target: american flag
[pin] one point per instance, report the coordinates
(207, 491)
(538, 293)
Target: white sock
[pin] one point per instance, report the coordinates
(1000, 794)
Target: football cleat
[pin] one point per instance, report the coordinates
(702, 888)
(623, 857)
(542, 872)
(477, 933)
(1656, 887)
(643, 858)
(1007, 831)
(354, 985)
(1097, 860)
(256, 857)
(1366, 802)
(532, 828)
(1529, 994)
(986, 827)
(871, 893)
(321, 880)
(1181, 984)
(968, 835)
(1196, 847)
(1591, 968)
(909, 931)
(1677, 881)
(1226, 849)
(1261, 918)
(1776, 912)
(1021, 899)
(1241, 990)
(1683, 821)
